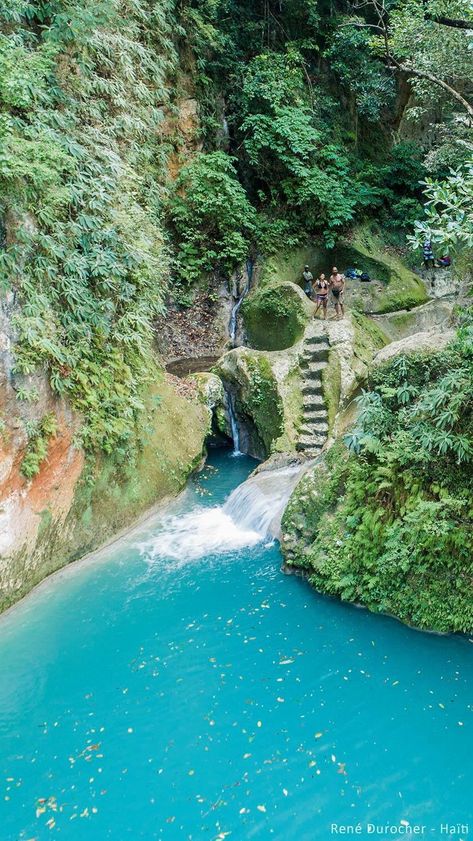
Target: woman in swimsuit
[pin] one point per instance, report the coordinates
(321, 294)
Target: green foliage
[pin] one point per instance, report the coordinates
(352, 60)
(81, 93)
(400, 537)
(448, 211)
(313, 138)
(286, 147)
(39, 435)
(212, 217)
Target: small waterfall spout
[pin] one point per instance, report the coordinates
(258, 504)
(234, 425)
(233, 324)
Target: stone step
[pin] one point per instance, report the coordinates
(312, 401)
(310, 433)
(313, 387)
(317, 339)
(309, 446)
(316, 429)
(316, 415)
(311, 376)
(320, 352)
(306, 361)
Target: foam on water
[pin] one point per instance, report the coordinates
(200, 533)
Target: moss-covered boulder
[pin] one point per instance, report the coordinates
(265, 390)
(434, 315)
(393, 285)
(253, 391)
(275, 316)
(428, 342)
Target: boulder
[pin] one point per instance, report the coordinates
(434, 314)
(424, 342)
(275, 316)
(265, 392)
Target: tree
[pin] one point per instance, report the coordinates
(425, 46)
(448, 211)
(212, 217)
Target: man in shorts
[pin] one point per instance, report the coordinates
(337, 286)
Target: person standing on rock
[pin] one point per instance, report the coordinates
(321, 294)
(337, 285)
(307, 278)
(428, 255)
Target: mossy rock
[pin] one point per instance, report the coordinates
(332, 385)
(249, 377)
(275, 316)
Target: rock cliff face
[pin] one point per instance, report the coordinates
(72, 504)
(295, 400)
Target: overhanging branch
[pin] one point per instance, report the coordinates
(456, 23)
(424, 74)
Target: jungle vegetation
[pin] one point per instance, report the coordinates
(391, 526)
(309, 115)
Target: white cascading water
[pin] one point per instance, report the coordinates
(252, 514)
(258, 504)
(234, 425)
(233, 324)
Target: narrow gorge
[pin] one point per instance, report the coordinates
(236, 435)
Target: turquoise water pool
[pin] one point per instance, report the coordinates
(179, 686)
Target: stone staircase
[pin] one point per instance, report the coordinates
(314, 428)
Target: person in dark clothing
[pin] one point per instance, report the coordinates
(429, 259)
(307, 278)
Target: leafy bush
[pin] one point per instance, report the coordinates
(37, 448)
(81, 90)
(449, 211)
(288, 152)
(212, 217)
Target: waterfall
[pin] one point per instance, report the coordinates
(234, 424)
(258, 504)
(233, 324)
(251, 515)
